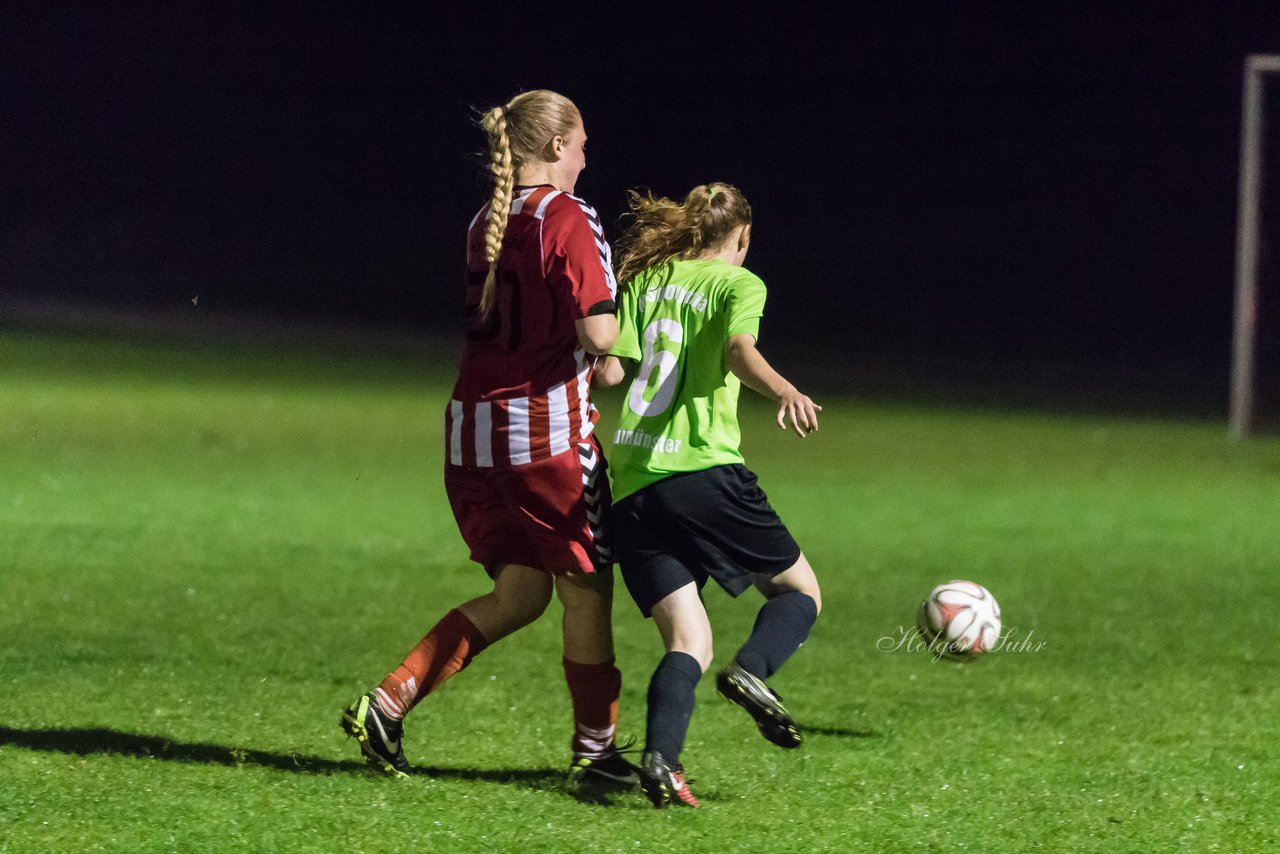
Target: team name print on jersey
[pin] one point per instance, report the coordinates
(641, 439)
(676, 294)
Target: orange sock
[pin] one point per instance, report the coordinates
(446, 649)
(594, 689)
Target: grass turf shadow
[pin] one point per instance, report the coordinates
(85, 742)
(838, 732)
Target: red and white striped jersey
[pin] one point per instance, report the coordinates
(522, 389)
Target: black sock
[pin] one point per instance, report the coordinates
(781, 626)
(671, 704)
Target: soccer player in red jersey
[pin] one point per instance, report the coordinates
(524, 473)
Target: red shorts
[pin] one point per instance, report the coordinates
(546, 514)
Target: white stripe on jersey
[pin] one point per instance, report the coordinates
(602, 245)
(541, 212)
(517, 204)
(484, 435)
(558, 412)
(455, 435)
(518, 431)
(584, 405)
(585, 427)
(587, 454)
(608, 269)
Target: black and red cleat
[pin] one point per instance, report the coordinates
(664, 783)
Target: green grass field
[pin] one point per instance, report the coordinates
(206, 550)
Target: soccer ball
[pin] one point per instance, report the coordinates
(959, 620)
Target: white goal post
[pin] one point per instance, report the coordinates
(1256, 67)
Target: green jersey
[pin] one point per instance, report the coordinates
(680, 413)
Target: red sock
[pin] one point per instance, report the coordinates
(594, 689)
(447, 649)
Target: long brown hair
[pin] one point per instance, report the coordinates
(660, 230)
(517, 131)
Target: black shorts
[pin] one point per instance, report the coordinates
(715, 523)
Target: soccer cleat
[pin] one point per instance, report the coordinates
(664, 783)
(378, 734)
(764, 706)
(611, 770)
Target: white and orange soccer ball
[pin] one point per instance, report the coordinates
(959, 620)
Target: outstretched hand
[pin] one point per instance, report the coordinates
(800, 411)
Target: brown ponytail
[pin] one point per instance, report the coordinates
(660, 230)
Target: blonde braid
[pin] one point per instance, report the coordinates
(503, 168)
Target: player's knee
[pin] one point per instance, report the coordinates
(814, 593)
(594, 590)
(811, 591)
(793, 581)
(704, 660)
(523, 606)
(700, 649)
(526, 613)
(701, 655)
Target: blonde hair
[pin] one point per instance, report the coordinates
(660, 230)
(518, 131)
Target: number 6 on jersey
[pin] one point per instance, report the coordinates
(664, 362)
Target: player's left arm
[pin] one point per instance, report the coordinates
(743, 303)
(749, 365)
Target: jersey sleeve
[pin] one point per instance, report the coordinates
(627, 346)
(579, 263)
(744, 304)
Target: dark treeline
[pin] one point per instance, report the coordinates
(962, 181)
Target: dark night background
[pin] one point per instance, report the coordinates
(934, 184)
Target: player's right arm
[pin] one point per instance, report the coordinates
(597, 333)
(749, 365)
(578, 269)
(609, 372)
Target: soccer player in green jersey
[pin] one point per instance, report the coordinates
(686, 508)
